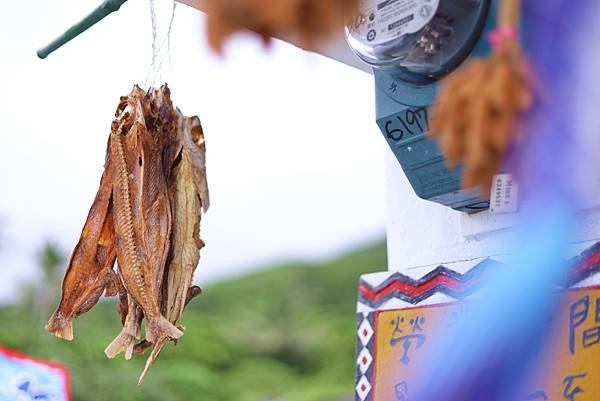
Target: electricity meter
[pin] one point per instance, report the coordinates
(411, 45)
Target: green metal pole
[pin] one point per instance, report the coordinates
(106, 8)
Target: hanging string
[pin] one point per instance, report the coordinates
(161, 44)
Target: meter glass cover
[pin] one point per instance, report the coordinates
(423, 36)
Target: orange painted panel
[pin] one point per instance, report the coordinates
(568, 369)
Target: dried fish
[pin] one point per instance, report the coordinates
(477, 116)
(90, 270)
(187, 203)
(146, 215)
(188, 192)
(142, 220)
(308, 21)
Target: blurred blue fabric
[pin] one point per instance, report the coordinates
(489, 356)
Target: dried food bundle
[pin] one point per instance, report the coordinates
(307, 21)
(146, 215)
(479, 107)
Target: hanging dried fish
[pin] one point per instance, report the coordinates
(89, 272)
(188, 191)
(306, 20)
(142, 216)
(147, 216)
(479, 107)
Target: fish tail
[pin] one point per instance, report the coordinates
(60, 326)
(159, 329)
(152, 358)
(124, 342)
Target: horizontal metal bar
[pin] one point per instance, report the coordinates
(106, 8)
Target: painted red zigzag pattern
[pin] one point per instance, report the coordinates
(459, 286)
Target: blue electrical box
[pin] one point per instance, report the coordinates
(411, 45)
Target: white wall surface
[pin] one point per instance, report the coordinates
(422, 233)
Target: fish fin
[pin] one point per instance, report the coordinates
(160, 328)
(141, 347)
(152, 358)
(60, 326)
(192, 293)
(122, 343)
(111, 289)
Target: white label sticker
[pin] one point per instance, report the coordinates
(385, 20)
(504, 197)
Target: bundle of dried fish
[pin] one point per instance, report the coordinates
(308, 21)
(147, 216)
(477, 116)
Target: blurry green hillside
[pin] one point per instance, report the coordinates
(283, 334)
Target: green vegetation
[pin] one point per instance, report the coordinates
(283, 334)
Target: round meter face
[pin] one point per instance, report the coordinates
(386, 20)
(423, 36)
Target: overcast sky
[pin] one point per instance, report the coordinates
(295, 160)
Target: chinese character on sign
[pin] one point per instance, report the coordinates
(414, 333)
(571, 389)
(537, 396)
(393, 87)
(592, 336)
(579, 313)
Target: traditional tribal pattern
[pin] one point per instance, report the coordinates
(365, 350)
(441, 280)
(444, 283)
(444, 280)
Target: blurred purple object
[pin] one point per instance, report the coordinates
(489, 357)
